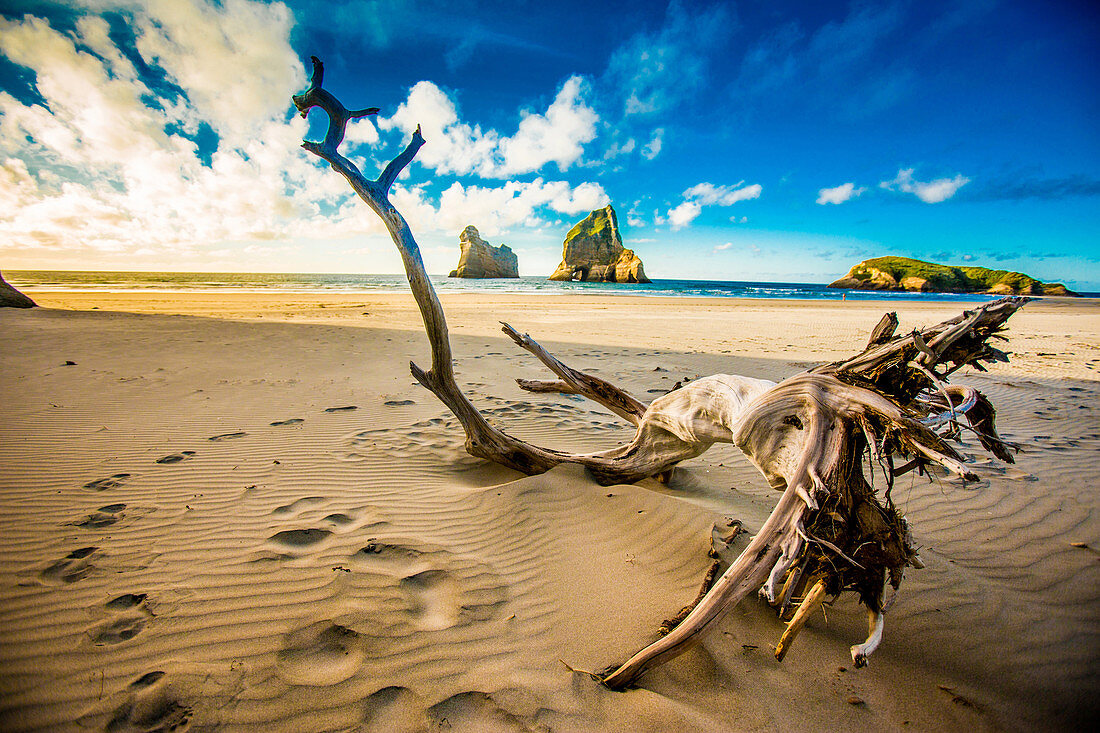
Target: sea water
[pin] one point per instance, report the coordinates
(57, 280)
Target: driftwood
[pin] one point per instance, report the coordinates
(811, 435)
(12, 298)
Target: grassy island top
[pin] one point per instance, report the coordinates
(600, 223)
(903, 273)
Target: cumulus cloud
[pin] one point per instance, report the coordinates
(722, 247)
(493, 209)
(195, 155)
(707, 194)
(840, 194)
(682, 215)
(556, 136)
(116, 167)
(233, 59)
(930, 192)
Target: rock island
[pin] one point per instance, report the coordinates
(902, 273)
(478, 258)
(593, 252)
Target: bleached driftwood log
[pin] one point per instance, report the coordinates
(832, 530)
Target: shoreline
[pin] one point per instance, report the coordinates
(350, 283)
(1052, 336)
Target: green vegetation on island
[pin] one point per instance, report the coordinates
(902, 273)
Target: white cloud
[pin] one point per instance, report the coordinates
(233, 59)
(493, 210)
(557, 136)
(103, 168)
(930, 192)
(18, 188)
(616, 149)
(707, 194)
(361, 132)
(722, 247)
(116, 172)
(453, 146)
(682, 215)
(839, 194)
(653, 148)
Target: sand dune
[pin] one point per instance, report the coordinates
(259, 522)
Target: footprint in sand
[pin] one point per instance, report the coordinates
(435, 599)
(441, 590)
(75, 566)
(395, 710)
(291, 421)
(117, 631)
(126, 601)
(183, 455)
(346, 408)
(478, 711)
(322, 653)
(227, 436)
(111, 482)
(300, 538)
(150, 705)
(398, 403)
(128, 615)
(105, 516)
(384, 557)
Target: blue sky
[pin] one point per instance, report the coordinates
(743, 141)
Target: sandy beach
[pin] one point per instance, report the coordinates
(238, 511)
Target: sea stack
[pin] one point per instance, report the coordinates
(593, 252)
(12, 298)
(481, 259)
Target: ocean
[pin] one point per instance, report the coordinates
(33, 281)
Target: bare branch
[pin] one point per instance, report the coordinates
(813, 601)
(884, 331)
(395, 166)
(744, 576)
(338, 116)
(592, 387)
(545, 387)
